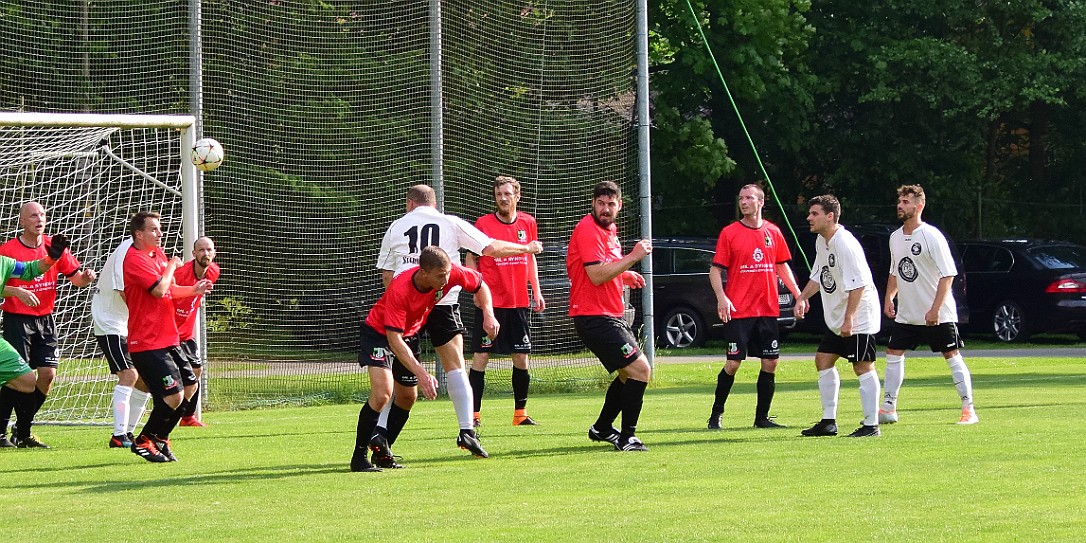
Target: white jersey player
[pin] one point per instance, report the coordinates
(921, 274)
(424, 225)
(851, 310)
(110, 316)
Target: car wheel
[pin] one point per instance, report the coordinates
(1008, 323)
(683, 328)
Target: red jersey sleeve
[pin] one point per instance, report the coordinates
(723, 253)
(784, 254)
(394, 316)
(466, 278)
(141, 273)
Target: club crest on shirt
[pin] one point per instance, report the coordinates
(768, 240)
(758, 255)
(522, 236)
(439, 294)
(915, 249)
(906, 269)
(826, 278)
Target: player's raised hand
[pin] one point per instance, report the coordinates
(57, 245)
(641, 249)
(176, 262)
(428, 385)
(203, 286)
(535, 248)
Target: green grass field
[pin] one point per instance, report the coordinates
(282, 474)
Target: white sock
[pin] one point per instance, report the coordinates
(963, 381)
(122, 396)
(829, 388)
(460, 394)
(136, 406)
(895, 375)
(869, 397)
(382, 419)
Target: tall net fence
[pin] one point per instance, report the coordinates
(325, 113)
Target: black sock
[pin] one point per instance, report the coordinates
(521, 380)
(724, 384)
(174, 418)
(633, 396)
(397, 418)
(189, 407)
(8, 398)
(367, 422)
(158, 421)
(612, 406)
(477, 380)
(26, 405)
(766, 386)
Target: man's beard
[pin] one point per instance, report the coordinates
(604, 222)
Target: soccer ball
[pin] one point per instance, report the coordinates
(207, 154)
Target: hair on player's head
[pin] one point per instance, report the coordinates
(422, 195)
(139, 221)
(916, 191)
(829, 204)
(502, 180)
(606, 188)
(433, 257)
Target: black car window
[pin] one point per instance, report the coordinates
(661, 261)
(1059, 257)
(1002, 260)
(977, 258)
(692, 260)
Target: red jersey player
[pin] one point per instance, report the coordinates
(388, 345)
(187, 309)
(597, 270)
(508, 278)
(754, 253)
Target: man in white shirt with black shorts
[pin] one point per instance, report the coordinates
(422, 226)
(921, 273)
(851, 309)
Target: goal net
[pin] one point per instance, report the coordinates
(91, 173)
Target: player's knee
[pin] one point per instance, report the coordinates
(639, 370)
(24, 383)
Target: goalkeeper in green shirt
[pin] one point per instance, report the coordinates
(14, 371)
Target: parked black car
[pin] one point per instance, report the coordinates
(1021, 287)
(685, 306)
(875, 240)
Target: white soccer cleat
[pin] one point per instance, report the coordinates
(969, 416)
(887, 416)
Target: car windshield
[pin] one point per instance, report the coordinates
(1060, 257)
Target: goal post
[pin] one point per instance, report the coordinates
(92, 172)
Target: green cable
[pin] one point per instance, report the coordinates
(743, 125)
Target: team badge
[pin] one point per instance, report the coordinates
(915, 249)
(378, 354)
(832, 260)
(522, 236)
(733, 348)
(758, 255)
(774, 345)
(168, 382)
(826, 278)
(439, 294)
(906, 269)
(768, 240)
(486, 342)
(627, 349)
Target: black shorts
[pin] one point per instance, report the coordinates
(34, 338)
(756, 336)
(610, 339)
(443, 324)
(513, 332)
(942, 338)
(165, 371)
(373, 350)
(116, 350)
(191, 350)
(855, 348)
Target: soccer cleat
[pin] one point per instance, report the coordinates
(969, 416)
(164, 448)
(191, 421)
(866, 431)
(524, 421)
(767, 423)
(5, 443)
(470, 442)
(29, 442)
(824, 427)
(382, 452)
(391, 462)
(145, 448)
(630, 443)
(714, 421)
(122, 441)
(595, 435)
(360, 463)
(887, 416)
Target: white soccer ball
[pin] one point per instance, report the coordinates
(207, 154)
